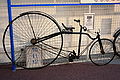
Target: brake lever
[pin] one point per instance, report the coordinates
(64, 26)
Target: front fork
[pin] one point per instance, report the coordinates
(100, 44)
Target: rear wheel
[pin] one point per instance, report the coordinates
(26, 27)
(117, 44)
(99, 58)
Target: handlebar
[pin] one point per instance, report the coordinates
(77, 20)
(85, 29)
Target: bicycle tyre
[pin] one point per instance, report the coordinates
(116, 42)
(101, 59)
(31, 25)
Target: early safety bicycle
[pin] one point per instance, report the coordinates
(38, 41)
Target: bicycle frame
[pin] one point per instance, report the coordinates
(71, 32)
(46, 43)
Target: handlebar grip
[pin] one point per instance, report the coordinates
(76, 20)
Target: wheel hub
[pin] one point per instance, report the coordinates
(33, 41)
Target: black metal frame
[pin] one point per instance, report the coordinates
(70, 31)
(67, 30)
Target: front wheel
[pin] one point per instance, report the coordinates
(27, 27)
(99, 58)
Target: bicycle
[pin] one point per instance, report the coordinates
(39, 33)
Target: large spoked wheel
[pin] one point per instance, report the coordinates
(99, 58)
(117, 44)
(27, 28)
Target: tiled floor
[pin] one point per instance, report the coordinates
(72, 71)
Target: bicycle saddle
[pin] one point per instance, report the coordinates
(68, 28)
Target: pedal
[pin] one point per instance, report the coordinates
(71, 57)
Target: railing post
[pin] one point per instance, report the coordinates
(11, 35)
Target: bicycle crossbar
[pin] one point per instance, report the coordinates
(59, 33)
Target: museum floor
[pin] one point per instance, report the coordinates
(72, 71)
